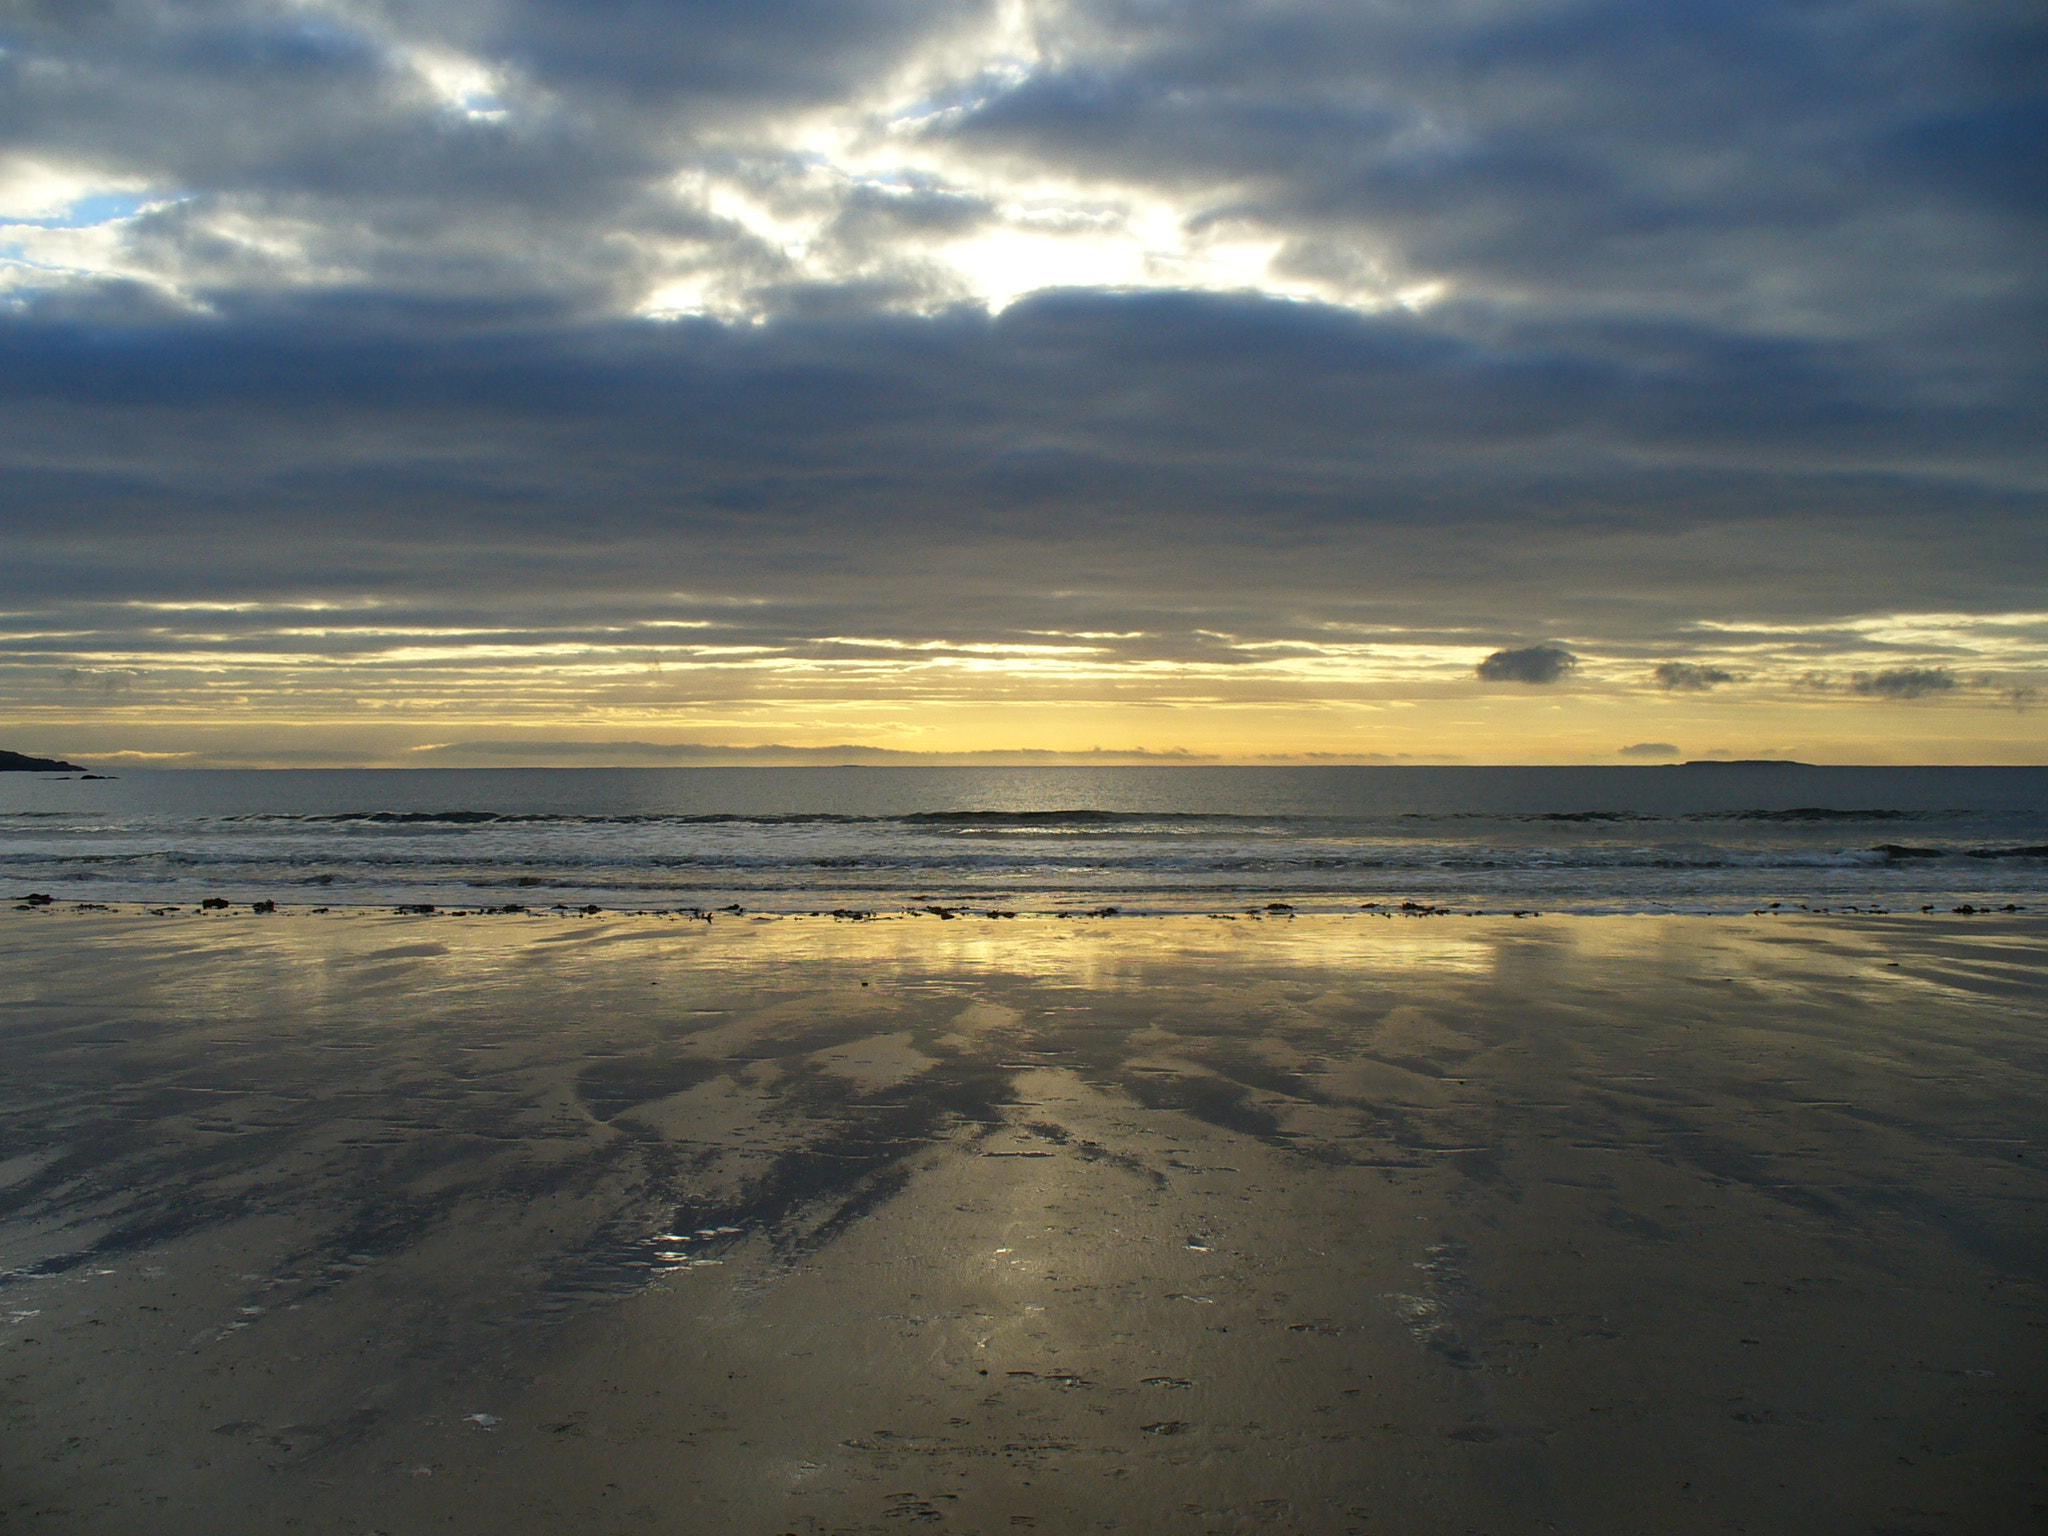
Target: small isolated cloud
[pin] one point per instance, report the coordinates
(1649, 749)
(1689, 677)
(1903, 682)
(1532, 664)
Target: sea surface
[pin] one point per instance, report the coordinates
(1702, 838)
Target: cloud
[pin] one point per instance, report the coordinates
(1197, 500)
(1537, 664)
(1763, 172)
(1652, 749)
(1289, 344)
(1903, 682)
(1686, 676)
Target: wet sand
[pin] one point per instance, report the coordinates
(366, 1223)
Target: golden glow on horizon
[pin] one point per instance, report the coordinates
(364, 688)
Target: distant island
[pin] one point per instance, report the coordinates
(21, 762)
(1743, 762)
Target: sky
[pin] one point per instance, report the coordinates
(456, 382)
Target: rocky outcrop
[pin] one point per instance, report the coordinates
(21, 762)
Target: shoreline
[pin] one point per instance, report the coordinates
(1668, 1223)
(981, 909)
(1146, 841)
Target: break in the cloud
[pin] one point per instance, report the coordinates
(1033, 373)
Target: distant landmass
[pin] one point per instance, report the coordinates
(21, 762)
(1743, 762)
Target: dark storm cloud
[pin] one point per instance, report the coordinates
(1535, 664)
(346, 424)
(1166, 454)
(699, 54)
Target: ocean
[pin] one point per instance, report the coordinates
(1712, 838)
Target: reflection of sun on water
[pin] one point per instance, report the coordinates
(1124, 954)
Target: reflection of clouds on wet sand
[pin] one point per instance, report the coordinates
(770, 1081)
(1342, 1178)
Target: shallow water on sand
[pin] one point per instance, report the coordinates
(537, 1224)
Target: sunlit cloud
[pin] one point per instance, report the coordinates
(1007, 230)
(461, 85)
(37, 192)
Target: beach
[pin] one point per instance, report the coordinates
(524, 1222)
